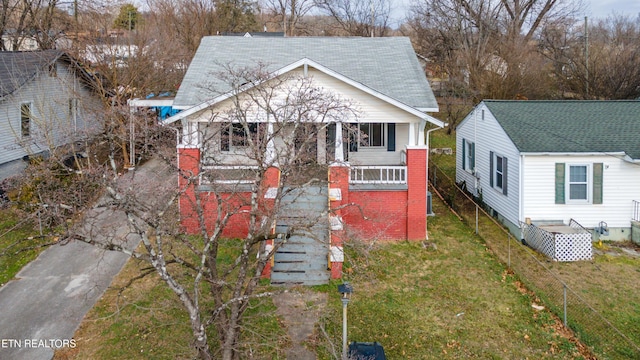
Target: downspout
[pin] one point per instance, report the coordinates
(521, 193)
(427, 167)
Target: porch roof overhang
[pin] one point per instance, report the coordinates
(420, 113)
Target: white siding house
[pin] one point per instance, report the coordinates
(551, 161)
(44, 103)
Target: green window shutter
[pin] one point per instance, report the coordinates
(391, 137)
(464, 154)
(560, 174)
(597, 183)
(473, 156)
(504, 176)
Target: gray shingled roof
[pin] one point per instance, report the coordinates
(571, 126)
(387, 65)
(18, 67)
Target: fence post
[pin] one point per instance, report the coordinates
(509, 251)
(564, 295)
(476, 219)
(435, 175)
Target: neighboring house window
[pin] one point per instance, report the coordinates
(468, 155)
(25, 120)
(498, 172)
(53, 70)
(73, 112)
(235, 136)
(579, 183)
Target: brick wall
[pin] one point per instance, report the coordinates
(380, 215)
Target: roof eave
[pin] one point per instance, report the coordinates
(418, 112)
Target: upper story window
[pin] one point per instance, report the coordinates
(25, 120)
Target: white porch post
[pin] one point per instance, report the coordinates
(412, 135)
(270, 156)
(339, 152)
(421, 125)
(190, 134)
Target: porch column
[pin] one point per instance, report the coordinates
(416, 192)
(270, 156)
(189, 166)
(339, 150)
(338, 195)
(190, 136)
(412, 135)
(270, 185)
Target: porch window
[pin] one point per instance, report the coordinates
(235, 135)
(25, 120)
(372, 134)
(498, 172)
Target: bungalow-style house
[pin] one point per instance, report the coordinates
(377, 179)
(554, 162)
(45, 102)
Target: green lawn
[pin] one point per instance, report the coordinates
(18, 244)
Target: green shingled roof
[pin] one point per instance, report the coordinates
(571, 126)
(387, 65)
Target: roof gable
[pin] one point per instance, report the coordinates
(303, 63)
(18, 67)
(386, 65)
(570, 126)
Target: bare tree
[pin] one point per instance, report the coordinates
(490, 43)
(359, 18)
(290, 12)
(271, 122)
(600, 63)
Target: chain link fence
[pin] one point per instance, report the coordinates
(589, 325)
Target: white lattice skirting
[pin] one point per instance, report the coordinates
(572, 246)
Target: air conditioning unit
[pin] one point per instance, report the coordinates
(429, 207)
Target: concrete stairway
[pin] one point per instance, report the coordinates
(302, 259)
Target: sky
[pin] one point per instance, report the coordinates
(594, 8)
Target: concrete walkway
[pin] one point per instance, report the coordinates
(42, 308)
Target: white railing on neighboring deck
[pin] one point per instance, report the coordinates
(636, 210)
(228, 174)
(378, 175)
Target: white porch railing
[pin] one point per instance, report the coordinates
(378, 175)
(636, 210)
(227, 174)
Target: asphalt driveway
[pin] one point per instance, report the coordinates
(41, 309)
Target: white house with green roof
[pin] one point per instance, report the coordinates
(549, 161)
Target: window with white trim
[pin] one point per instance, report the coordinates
(236, 136)
(25, 120)
(498, 172)
(469, 155)
(372, 135)
(578, 183)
